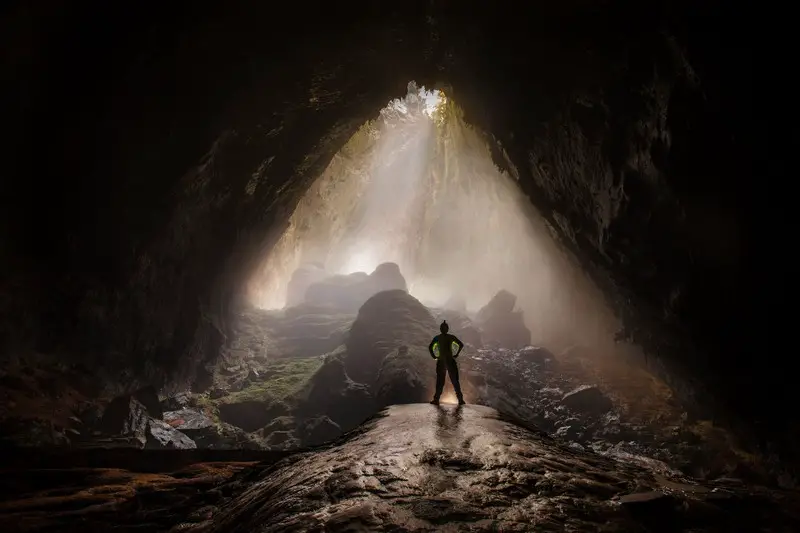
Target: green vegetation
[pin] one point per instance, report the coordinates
(284, 377)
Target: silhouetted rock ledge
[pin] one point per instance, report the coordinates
(414, 467)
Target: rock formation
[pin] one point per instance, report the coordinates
(349, 292)
(501, 324)
(331, 393)
(385, 322)
(302, 278)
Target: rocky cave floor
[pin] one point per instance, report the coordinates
(612, 450)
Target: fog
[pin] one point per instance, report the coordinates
(418, 187)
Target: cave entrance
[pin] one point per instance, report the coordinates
(417, 187)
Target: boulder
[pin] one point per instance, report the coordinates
(501, 304)
(319, 430)
(404, 378)
(160, 435)
(283, 440)
(331, 392)
(385, 322)
(179, 401)
(302, 278)
(189, 421)
(536, 355)
(207, 433)
(387, 277)
(502, 326)
(588, 400)
(349, 292)
(283, 433)
(148, 396)
(282, 423)
(251, 415)
(128, 414)
(125, 416)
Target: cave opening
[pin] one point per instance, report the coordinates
(417, 187)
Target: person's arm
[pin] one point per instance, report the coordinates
(430, 348)
(460, 345)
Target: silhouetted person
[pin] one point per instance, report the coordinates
(446, 362)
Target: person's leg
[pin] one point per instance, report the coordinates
(452, 369)
(441, 371)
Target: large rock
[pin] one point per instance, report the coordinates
(281, 434)
(208, 433)
(176, 402)
(128, 414)
(160, 435)
(387, 277)
(125, 416)
(404, 378)
(319, 430)
(331, 392)
(190, 421)
(385, 322)
(500, 324)
(350, 292)
(536, 355)
(587, 399)
(302, 278)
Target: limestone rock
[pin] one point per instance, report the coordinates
(319, 430)
(332, 393)
(302, 278)
(385, 322)
(404, 378)
(587, 399)
(179, 401)
(349, 292)
(161, 435)
(189, 421)
(207, 433)
(126, 416)
(536, 355)
(501, 324)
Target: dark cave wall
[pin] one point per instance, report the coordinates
(173, 148)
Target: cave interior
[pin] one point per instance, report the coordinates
(159, 154)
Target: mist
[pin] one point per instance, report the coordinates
(418, 187)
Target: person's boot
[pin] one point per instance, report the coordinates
(461, 401)
(434, 402)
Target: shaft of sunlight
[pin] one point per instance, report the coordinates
(418, 187)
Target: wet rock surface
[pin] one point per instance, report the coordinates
(411, 468)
